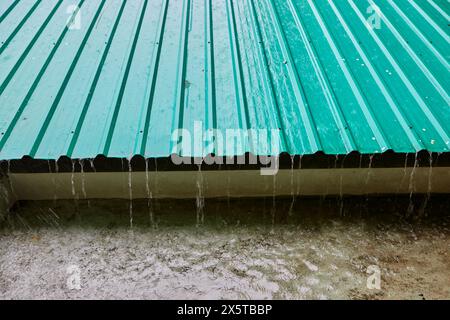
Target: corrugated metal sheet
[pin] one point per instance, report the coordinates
(136, 70)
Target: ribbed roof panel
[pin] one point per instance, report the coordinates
(333, 76)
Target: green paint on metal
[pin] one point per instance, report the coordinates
(333, 76)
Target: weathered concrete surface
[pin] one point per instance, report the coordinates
(231, 183)
(227, 250)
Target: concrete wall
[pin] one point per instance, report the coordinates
(211, 184)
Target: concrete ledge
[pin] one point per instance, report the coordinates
(217, 184)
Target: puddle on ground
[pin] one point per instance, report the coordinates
(243, 249)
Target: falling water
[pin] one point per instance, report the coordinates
(149, 194)
(11, 187)
(369, 170)
(360, 167)
(430, 176)
(72, 180)
(155, 199)
(411, 186)
(83, 180)
(430, 184)
(55, 175)
(5, 191)
(91, 161)
(228, 190)
(200, 199)
(274, 198)
(292, 187)
(405, 169)
(74, 193)
(55, 198)
(299, 190)
(341, 193)
(369, 175)
(130, 192)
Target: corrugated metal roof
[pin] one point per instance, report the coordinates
(127, 73)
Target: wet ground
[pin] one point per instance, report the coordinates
(230, 249)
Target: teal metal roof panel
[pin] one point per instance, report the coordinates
(82, 78)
